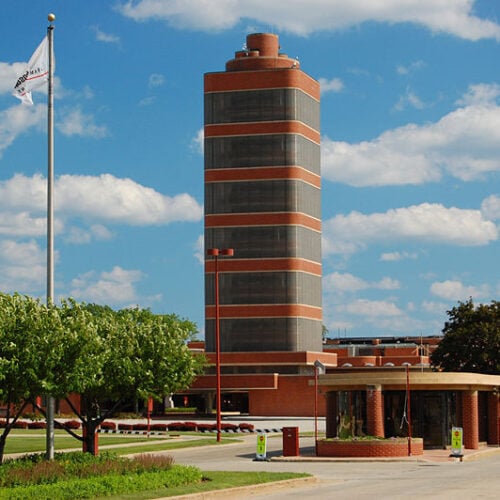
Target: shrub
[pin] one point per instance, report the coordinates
(206, 427)
(108, 426)
(229, 427)
(125, 427)
(20, 424)
(36, 425)
(159, 427)
(183, 426)
(71, 424)
(140, 427)
(246, 427)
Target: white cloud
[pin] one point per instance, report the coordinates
(75, 122)
(303, 17)
(333, 85)
(156, 80)
(198, 142)
(490, 207)
(108, 198)
(456, 290)
(481, 94)
(22, 224)
(22, 266)
(115, 287)
(409, 99)
(147, 101)
(346, 282)
(100, 36)
(372, 308)
(24, 193)
(432, 223)
(376, 163)
(95, 200)
(434, 307)
(465, 144)
(199, 249)
(80, 236)
(395, 256)
(19, 119)
(411, 68)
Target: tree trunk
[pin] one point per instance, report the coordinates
(3, 439)
(90, 443)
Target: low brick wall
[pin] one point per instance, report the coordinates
(366, 448)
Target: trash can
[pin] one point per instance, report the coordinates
(290, 441)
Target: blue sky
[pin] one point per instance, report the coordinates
(410, 125)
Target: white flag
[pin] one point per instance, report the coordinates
(36, 74)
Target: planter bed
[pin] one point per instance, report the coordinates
(391, 447)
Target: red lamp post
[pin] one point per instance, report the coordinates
(215, 252)
(408, 398)
(319, 369)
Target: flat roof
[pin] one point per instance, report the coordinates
(395, 379)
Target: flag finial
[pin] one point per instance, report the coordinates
(51, 17)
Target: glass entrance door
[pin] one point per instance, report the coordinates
(434, 419)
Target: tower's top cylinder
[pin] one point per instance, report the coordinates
(266, 43)
(261, 52)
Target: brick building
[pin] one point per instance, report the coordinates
(378, 386)
(263, 200)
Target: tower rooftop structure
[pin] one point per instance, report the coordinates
(261, 52)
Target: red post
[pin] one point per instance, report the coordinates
(150, 410)
(316, 409)
(214, 252)
(217, 348)
(408, 407)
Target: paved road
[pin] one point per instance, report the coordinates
(351, 480)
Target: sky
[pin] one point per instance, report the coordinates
(410, 131)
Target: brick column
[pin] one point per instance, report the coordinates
(470, 417)
(374, 410)
(493, 419)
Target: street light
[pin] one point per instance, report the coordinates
(319, 369)
(215, 252)
(408, 399)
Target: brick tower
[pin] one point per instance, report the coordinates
(263, 199)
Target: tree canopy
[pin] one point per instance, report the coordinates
(107, 357)
(471, 339)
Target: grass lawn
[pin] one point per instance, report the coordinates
(214, 480)
(33, 441)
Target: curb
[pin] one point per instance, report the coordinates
(251, 489)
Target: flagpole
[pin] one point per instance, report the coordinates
(50, 219)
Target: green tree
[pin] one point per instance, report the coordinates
(26, 355)
(92, 351)
(135, 354)
(471, 339)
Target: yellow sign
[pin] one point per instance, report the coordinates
(261, 446)
(456, 440)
